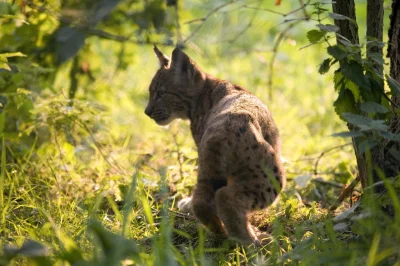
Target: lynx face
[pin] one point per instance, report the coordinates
(166, 101)
(172, 88)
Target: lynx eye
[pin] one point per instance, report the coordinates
(160, 94)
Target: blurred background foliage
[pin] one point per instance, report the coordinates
(73, 86)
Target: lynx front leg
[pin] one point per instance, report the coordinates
(203, 207)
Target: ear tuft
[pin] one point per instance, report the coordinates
(164, 60)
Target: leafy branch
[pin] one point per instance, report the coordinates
(206, 17)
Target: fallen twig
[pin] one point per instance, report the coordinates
(347, 190)
(326, 182)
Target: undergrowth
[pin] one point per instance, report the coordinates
(97, 183)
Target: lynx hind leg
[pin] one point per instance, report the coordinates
(233, 213)
(203, 207)
(185, 205)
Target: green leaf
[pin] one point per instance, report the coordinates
(365, 123)
(17, 54)
(375, 125)
(337, 52)
(32, 248)
(341, 17)
(69, 42)
(373, 108)
(375, 43)
(367, 145)
(324, 67)
(2, 122)
(354, 89)
(357, 120)
(315, 35)
(101, 10)
(377, 57)
(347, 134)
(389, 135)
(375, 91)
(394, 85)
(395, 153)
(113, 245)
(3, 102)
(338, 80)
(34, 252)
(354, 72)
(345, 103)
(328, 27)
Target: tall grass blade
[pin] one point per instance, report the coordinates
(3, 171)
(373, 250)
(128, 199)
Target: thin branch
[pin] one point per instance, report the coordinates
(390, 100)
(326, 182)
(204, 19)
(82, 25)
(85, 127)
(247, 26)
(265, 9)
(112, 37)
(62, 157)
(120, 170)
(178, 25)
(347, 190)
(295, 19)
(106, 35)
(314, 43)
(278, 41)
(325, 152)
(302, 7)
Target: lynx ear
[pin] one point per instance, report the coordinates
(182, 62)
(164, 60)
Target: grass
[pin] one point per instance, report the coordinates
(99, 184)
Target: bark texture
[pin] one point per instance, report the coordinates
(350, 31)
(346, 28)
(392, 166)
(375, 32)
(375, 28)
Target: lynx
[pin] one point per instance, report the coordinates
(238, 145)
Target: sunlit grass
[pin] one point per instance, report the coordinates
(104, 160)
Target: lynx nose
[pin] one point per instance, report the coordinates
(148, 111)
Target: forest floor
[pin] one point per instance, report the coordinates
(101, 182)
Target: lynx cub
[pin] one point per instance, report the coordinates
(237, 140)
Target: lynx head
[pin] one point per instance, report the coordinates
(174, 87)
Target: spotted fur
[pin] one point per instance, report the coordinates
(238, 144)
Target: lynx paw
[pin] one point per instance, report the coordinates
(263, 237)
(185, 205)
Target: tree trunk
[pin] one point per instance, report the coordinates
(375, 28)
(375, 33)
(350, 31)
(392, 165)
